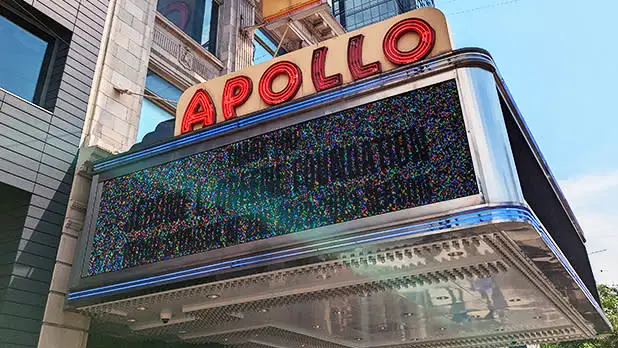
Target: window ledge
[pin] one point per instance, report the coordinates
(189, 53)
(4, 91)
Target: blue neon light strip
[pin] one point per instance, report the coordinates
(250, 120)
(464, 220)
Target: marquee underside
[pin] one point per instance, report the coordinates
(487, 278)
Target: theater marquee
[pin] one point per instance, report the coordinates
(376, 190)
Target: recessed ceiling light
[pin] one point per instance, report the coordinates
(140, 308)
(316, 326)
(213, 296)
(442, 329)
(359, 338)
(408, 314)
(131, 320)
(264, 310)
(382, 327)
(225, 339)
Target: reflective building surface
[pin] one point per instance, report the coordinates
(353, 14)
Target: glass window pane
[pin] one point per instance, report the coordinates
(157, 85)
(21, 59)
(151, 116)
(264, 47)
(260, 54)
(197, 18)
(266, 39)
(206, 22)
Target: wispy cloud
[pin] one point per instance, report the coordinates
(589, 187)
(593, 199)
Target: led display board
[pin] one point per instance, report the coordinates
(404, 151)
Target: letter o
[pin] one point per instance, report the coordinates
(427, 39)
(295, 79)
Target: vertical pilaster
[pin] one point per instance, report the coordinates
(123, 66)
(244, 43)
(111, 127)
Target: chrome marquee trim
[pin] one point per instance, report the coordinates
(507, 229)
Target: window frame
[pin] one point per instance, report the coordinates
(40, 96)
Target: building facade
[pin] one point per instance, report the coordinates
(353, 14)
(48, 57)
(82, 80)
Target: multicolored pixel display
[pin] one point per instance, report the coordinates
(401, 152)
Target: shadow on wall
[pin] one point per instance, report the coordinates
(34, 252)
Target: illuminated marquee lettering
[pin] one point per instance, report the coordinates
(238, 90)
(426, 34)
(295, 79)
(318, 71)
(355, 59)
(235, 93)
(201, 110)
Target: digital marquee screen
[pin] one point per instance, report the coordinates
(401, 152)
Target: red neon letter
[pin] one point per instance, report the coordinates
(200, 110)
(427, 38)
(235, 93)
(295, 78)
(355, 59)
(318, 73)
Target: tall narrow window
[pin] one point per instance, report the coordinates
(155, 111)
(197, 18)
(25, 52)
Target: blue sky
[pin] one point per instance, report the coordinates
(560, 61)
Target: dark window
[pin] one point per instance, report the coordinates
(264, 47)
(25, 54)
(197, 18)
(154, 110)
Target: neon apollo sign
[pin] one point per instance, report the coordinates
(402, 40)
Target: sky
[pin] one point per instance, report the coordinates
(559, 59)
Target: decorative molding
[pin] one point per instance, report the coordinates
(190, 55)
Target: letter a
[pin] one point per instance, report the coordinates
(201, 109)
